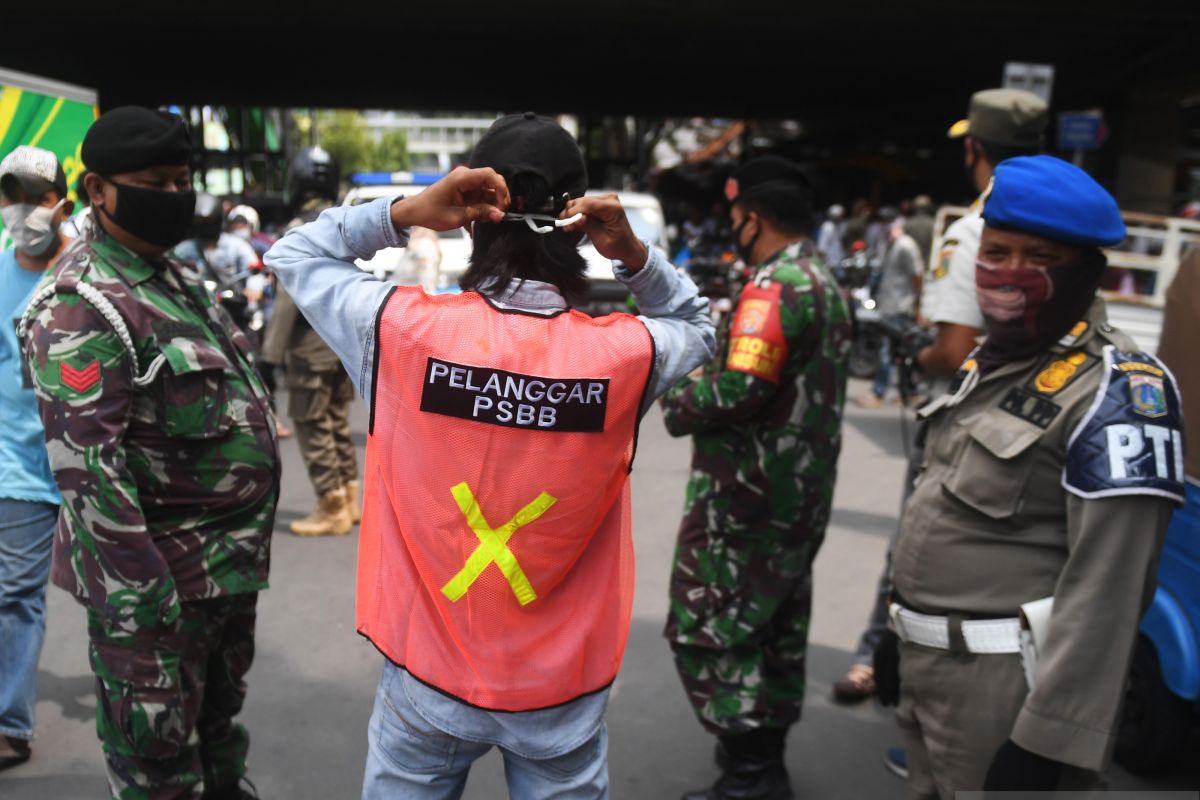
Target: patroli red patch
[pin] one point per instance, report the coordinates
(756, 343)
(79, 378)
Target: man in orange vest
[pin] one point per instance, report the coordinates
(496, 564)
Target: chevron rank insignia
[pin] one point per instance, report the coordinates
(80, 377)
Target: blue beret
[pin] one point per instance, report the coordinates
(1049, 197)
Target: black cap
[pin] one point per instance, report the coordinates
(528, 144)
(766, 175)
(131, 138)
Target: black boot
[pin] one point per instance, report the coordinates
(752, 767)
(242, 790)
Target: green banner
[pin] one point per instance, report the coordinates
(48, 121)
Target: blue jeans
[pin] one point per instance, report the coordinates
(26, 535)
(883, 372)
(407, 757)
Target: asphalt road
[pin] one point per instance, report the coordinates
(314, 678)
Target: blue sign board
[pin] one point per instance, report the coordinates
(1081, 130)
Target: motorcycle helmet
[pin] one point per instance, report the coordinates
(312, 173)
(246, 215)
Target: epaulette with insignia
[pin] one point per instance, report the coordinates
(1060, 371)
(1131, 441)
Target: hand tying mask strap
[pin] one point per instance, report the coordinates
(528, 219)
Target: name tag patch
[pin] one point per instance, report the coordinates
(513, 400)
(1029, 407)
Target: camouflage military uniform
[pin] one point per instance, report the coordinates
(169, 471)
(765, 418)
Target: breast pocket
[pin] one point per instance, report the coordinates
(193, 390)
(994, 466)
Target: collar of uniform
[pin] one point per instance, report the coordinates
(129, 265)
(1096, 318)
(535, 297)
(793, 252)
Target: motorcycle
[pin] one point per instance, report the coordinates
(857, 275)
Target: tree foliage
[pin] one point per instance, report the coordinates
(391, 154)
(344, 134)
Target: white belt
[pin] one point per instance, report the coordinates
(980, 635)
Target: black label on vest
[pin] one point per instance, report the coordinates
(1029, 407)
(512, 400)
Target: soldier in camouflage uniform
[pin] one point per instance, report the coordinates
(765, 417)
(163, 444)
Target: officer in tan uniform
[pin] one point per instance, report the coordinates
(1001, 124)
(320, 393)
(1051, 471)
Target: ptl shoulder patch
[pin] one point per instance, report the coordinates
(756, 342)
(1062, 371)
(1131, 440)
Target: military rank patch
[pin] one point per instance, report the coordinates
(756, 343)
(1028, 406)
(1062, 371)
(82, 378)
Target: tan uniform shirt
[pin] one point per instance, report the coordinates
(1180, 333)
(991, 526)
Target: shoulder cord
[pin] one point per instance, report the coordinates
(113, 317)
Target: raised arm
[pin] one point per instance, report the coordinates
(672, 308)
(315, 262)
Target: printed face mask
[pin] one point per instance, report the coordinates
(1006, 295)
(33, 228)
(1026, 310)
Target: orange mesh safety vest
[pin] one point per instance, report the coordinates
(495, 560)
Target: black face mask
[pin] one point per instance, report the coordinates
(744, 250)
(152, 215)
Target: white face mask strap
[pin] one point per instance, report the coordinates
(528, 219)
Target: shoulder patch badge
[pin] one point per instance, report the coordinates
(942, 268)
(80, 378)
(1148, 396)
(1131, 441)
(756, 343)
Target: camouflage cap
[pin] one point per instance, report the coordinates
(1006, 117)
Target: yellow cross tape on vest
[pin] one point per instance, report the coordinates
(493, 546)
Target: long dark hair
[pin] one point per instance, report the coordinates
(508, 250)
